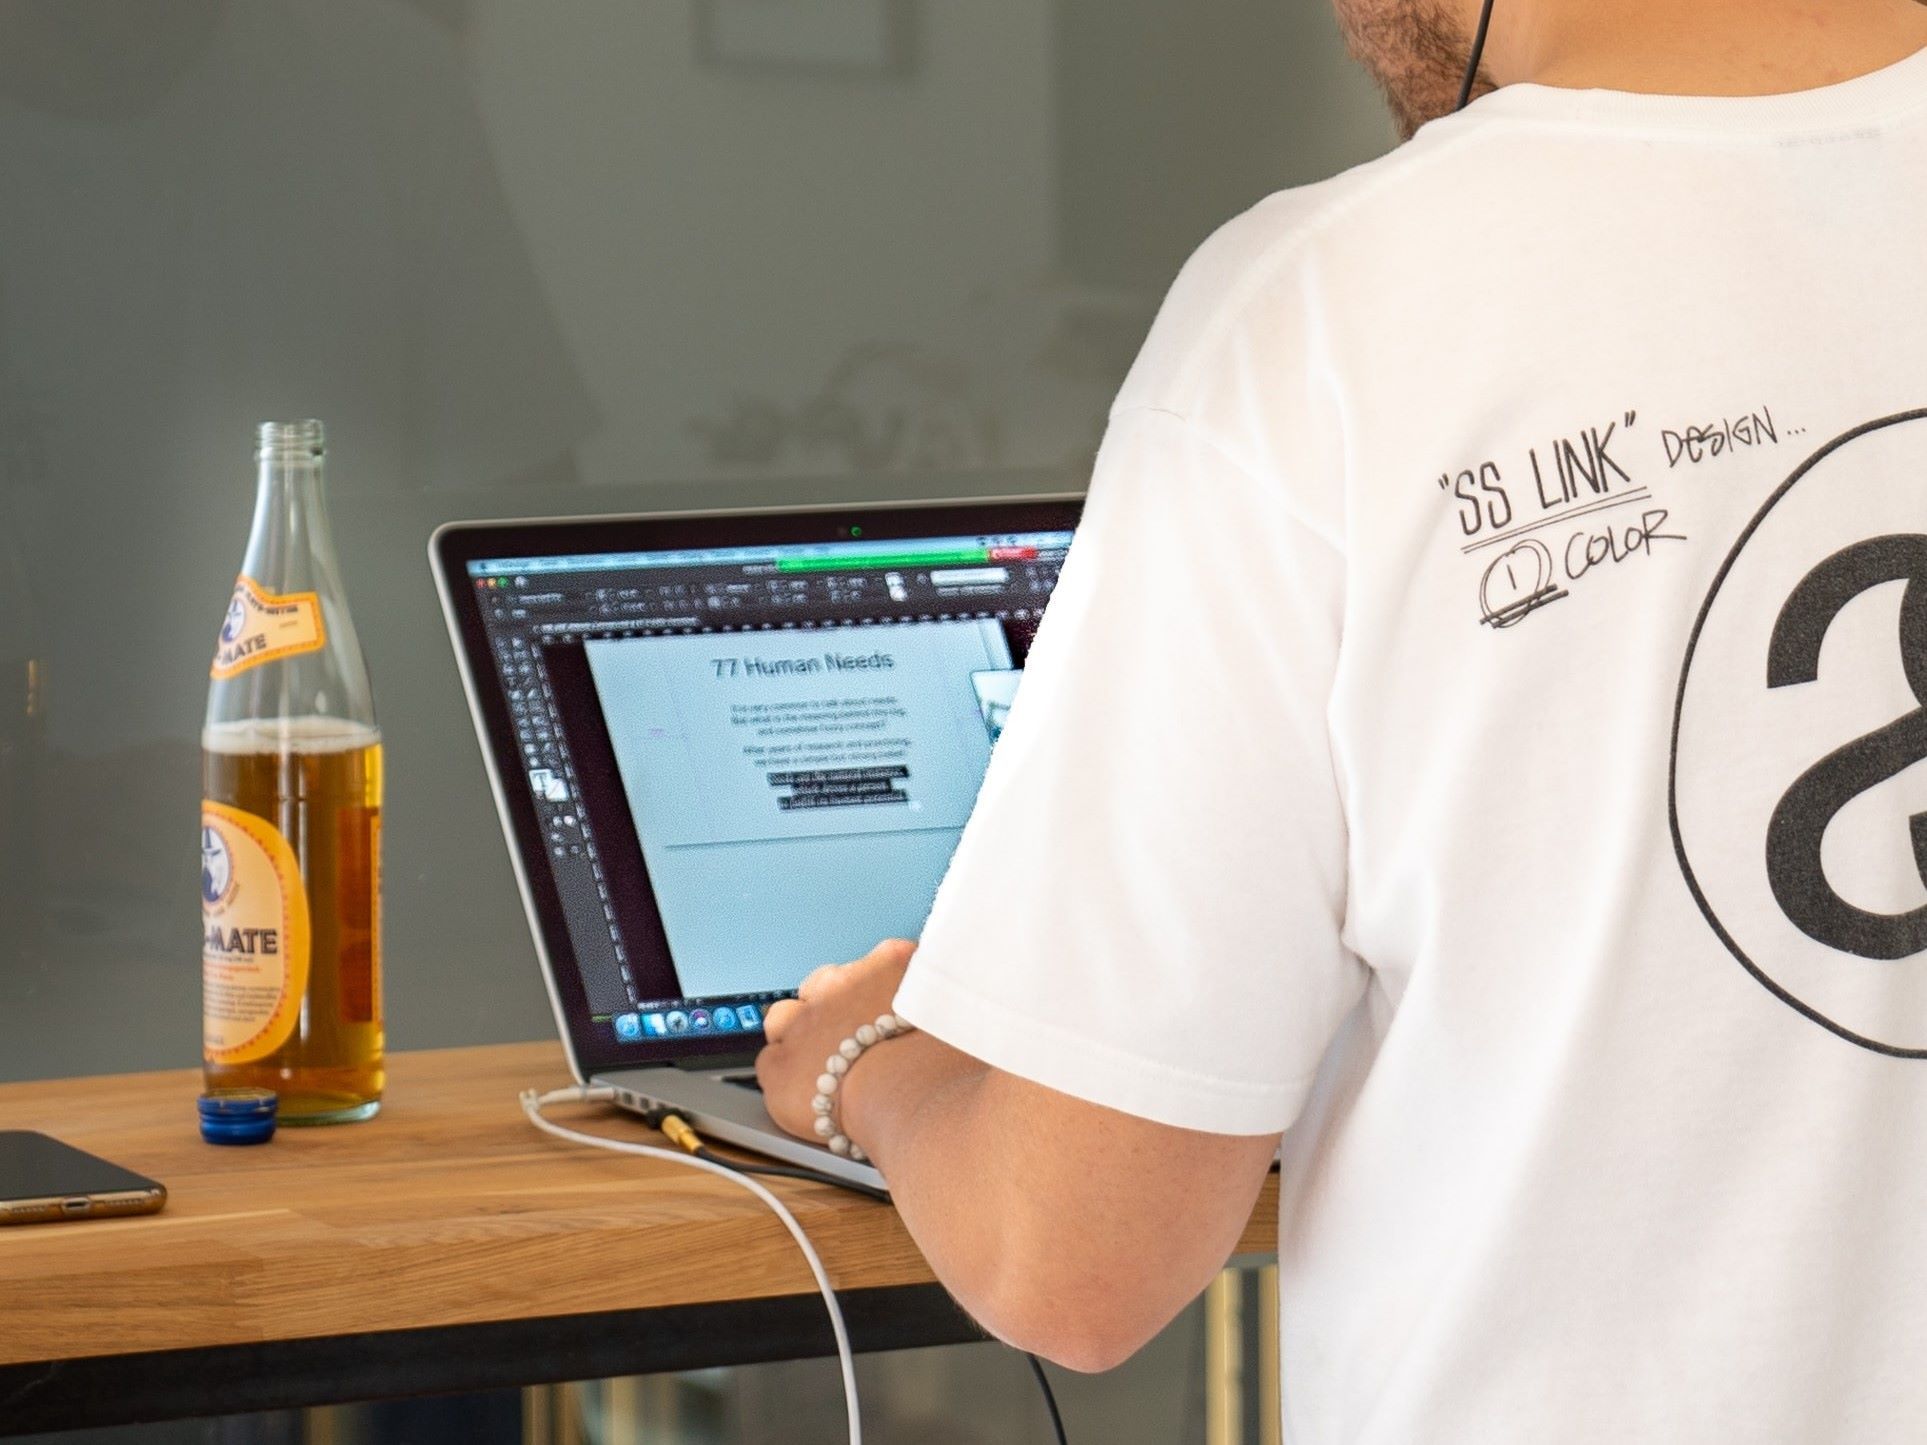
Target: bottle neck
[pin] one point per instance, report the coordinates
(291, 537)
(288, 641)
(292, 486)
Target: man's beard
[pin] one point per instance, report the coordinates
(1416, 52)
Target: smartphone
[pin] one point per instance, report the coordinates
(43, 1181)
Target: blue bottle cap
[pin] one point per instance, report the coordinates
(238, 1116)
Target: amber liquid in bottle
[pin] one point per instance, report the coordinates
(318, 781)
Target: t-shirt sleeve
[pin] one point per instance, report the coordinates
(1146, 906)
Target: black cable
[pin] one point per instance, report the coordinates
(1478, 53)
(783, 1171)
(1050, 1398)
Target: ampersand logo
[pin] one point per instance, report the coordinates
(1798, 794)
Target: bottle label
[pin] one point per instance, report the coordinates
(261, 625)
(254, 936)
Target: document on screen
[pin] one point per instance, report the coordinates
(798, 793)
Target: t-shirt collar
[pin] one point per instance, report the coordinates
(1878, 95)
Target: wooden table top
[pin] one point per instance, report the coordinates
(446, 1209)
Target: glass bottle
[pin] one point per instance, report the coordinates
(291, 815)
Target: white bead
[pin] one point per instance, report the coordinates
(841, 1146)
(825, 1126)
(888, 1024)
(858, 1155)
(823, 1104)
(837, 1064)
(850, 1049)
(827, 1083)
(867, 1035)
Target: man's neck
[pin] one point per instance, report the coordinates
(1708, 47)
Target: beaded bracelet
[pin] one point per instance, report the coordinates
(836, 1068)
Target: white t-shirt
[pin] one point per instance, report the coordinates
(1479, 727)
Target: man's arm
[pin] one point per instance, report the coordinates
(1063, 1227)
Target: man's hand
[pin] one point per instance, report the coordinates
(803, 1033)
(1064, 1227)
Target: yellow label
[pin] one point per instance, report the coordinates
(254, 936)
(261, 626)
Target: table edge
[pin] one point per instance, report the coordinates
(130, 1389)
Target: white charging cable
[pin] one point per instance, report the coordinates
(533, 1104)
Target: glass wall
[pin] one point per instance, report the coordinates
(528, 259)
(534, 259)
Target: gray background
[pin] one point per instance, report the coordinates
(523, 259)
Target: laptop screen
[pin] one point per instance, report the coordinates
(747, 761)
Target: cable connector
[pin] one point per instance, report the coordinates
(676, 1129)
(531, 1100)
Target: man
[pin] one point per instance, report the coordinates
(1475, 739)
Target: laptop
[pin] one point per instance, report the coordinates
(729, 747)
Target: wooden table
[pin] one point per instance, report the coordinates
(443, 1246)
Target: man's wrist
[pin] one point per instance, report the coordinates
(889, 1084)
